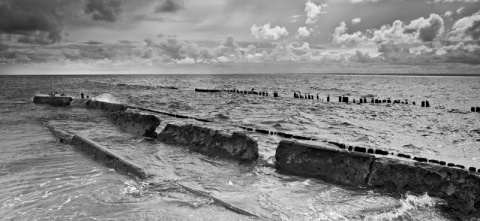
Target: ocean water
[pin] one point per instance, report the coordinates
(43, 179)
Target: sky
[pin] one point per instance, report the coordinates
(239, 36)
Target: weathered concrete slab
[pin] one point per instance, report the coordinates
(142, 125)
(111, 107)
(104, 155)
(327, 163)
(61, 135)
(52, 100)
(459, 188)
(211, 142)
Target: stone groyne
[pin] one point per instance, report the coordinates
(139, 124)
(459, 188)
(52, 100)
(211, 142)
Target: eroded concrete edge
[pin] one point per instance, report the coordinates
(460, 188)
(99, 152)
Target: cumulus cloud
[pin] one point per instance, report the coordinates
(466, 29)
(356, 21)
(362, 57)
(448, 14)
(392, 33)
(105, 10)
(341, 38)
(426, 29)
(304, 32)
(170, 6)
(312, 11)
(29, 17)
(266, 32)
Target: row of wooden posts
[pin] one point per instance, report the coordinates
(345, 99)
(261, 93)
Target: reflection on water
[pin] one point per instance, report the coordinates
(45, 180)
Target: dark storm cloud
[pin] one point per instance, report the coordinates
(105, 10)
(28, 17)
(170, 6)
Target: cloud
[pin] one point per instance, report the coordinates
(451, 1)
(303, 32)
(362, 57)
(3, 47)
(426, 29)
(312, 11)
(341, 38)
(448, 14)
(105, 10)
(392, 33)
(362, 1)
(466, 29)
(170, 6)
(29, 17)
(268, 33)
(460, 10)
(356, 21)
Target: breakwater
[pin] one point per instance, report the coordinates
(211, 142)
(460, 188)
(52, 100)
(139, 124)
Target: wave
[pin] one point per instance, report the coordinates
(410, 208)
(107, 98)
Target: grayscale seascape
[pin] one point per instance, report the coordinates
(43, 179)
(240, 110)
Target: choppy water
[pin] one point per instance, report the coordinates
(46, 180)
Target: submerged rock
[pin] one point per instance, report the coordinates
(211, 142)
(112, 107)
(52, 100)
(460, 188)
(142, 125)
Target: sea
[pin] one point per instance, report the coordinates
(44, 179)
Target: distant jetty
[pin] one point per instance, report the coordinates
(52, 99)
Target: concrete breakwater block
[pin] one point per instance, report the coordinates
(61, 135)
(52, 100)
(104, 155)
(139, 124)
(330, 164)
(211, 142)
(112, 107)
(460, 188)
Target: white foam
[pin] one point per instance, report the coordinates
(106, 98)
